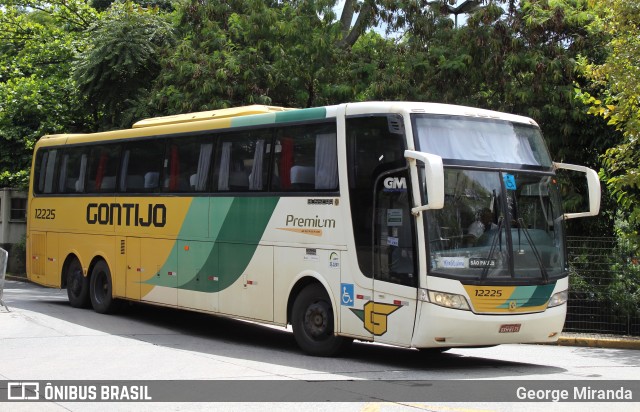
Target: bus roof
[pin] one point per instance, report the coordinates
(209, 115)
(261, 115)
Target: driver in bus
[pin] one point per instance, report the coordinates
(482, 224)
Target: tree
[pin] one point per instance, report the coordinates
(37, 96)
(615, 96)
(292, 53)
(121, 61)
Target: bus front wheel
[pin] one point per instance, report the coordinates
(77, 285)
(101, 289)
(312, 322)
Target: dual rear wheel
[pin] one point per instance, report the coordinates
(95, 290)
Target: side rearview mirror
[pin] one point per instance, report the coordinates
(593, 183)
(434, 180)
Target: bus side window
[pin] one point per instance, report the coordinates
(187, 164)
(141, 169)
(73, 167)
(46, 165)
(307, 159)
(103, 168)
(242, 160)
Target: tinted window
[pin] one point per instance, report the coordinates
(306, 159)
(46, 164)
(103, 169)
(375, 149)
(142, 164)
(187, 164)
(242, 161)
(73, 167)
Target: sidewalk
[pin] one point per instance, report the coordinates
(591, 340)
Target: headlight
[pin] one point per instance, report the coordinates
(448, 300)
(558, 299)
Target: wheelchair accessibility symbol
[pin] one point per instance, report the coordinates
(346, 294)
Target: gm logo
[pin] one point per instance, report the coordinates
(395, 184)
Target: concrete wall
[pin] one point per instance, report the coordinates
(13, 229)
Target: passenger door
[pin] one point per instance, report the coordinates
(395, 267)
(382, 293)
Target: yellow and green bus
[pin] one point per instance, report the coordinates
(412, 224)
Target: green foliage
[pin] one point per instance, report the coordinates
(520, 60)
(614, 95)
(37, 96)
(624, 288)
(18, 180)
(130, 63)
(121, 60)
(244, 52)
(216, 62)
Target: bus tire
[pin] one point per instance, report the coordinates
(312, 322)
(77, 285)
(101, 289)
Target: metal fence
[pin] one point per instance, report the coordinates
(592, 307)
(4, 257)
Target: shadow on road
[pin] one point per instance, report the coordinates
(219, 336)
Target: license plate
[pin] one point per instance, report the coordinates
(512, 328)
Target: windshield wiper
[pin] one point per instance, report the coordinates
(494, 242)
(543, 270)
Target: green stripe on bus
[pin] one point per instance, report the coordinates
(280, 117)
(302, 114)
(254, 120)
(540, 296)
(527, 296)
(235, 239)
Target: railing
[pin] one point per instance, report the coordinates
(4, 257)
(598, 300)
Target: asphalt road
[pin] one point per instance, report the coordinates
(43, 339)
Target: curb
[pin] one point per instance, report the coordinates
(19, 278)
(610, 342)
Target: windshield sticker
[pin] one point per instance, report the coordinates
(394, 217)
(509, 181)
(452, 262)
(482, 263)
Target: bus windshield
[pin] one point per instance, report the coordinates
(481, 140)
(497, 225)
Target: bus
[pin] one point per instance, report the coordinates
(419, 225)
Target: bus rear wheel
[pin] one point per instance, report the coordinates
(77, 285)
(312, 322)
(101, 289)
